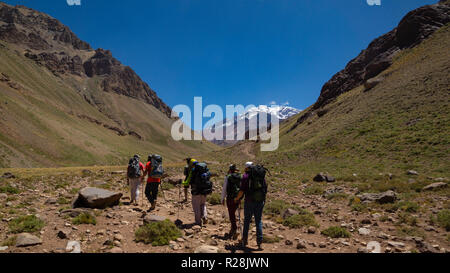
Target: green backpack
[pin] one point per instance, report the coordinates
(234, 184)
(257, 184)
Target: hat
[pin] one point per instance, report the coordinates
(136, 156)
(248, 164)
(233, 167)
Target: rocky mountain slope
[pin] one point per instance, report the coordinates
(63, 103)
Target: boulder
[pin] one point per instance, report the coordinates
(8, 176)
(206, 249)
(26, 239)
(381, 198)
(151, 218)
(3, 248)
(321, 177)
(374, 247)
(435, 186)
(96, 198)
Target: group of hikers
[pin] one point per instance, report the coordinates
(250, 186)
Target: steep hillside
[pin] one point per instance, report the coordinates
(395, 122)
(64, 104)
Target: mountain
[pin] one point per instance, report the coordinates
(366, 122)
(63, 103)
(251, 116)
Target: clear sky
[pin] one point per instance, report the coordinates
(231, 51)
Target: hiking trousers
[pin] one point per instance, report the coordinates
(232, 207)
(151, 191)
(199, 207)
(253, 209)
(134, 187)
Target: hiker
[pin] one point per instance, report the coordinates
(154, 170)
(254, 187)
(188, 173)
(201, 186)
(230, 191)
(134, 177)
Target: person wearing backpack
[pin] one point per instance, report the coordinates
(201, 187)
(188, 175)
(154, 170)
(134, 177)
(254, 188)
(230, 191)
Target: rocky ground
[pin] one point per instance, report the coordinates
(372, 227)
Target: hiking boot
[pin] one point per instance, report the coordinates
(260, 247)
(243, 243)
(153, 206)
(205, 221)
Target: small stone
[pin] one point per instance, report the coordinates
(312, 230)
(116, 250)
(364, 231)
(73, 247)
(63, 233)
(288, 242)
(301, 245)
(206, 249)
(3, 248)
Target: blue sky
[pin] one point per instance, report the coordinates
(231, 51)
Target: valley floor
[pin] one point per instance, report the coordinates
(406, 226)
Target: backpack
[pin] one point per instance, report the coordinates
(134, 168)
(257, 184)
(234, 184)
(201, 179)
(157, 167)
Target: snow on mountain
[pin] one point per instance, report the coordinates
(281, 112)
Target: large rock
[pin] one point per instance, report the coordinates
(96, 198)
(207, 249)
(26, 239)
(322, 177)
(381, 198)
(435, 186)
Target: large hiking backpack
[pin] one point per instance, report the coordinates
(157, 167)
(202, 183)
(257, 184)
(134, 168)
(234, 184)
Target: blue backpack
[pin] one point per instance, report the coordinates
(157, 167)
(134, 168)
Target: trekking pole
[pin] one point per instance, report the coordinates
(162, 190)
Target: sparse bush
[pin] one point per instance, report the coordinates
(406, 218)
(63, 201)
(336, 232)
(214, 199)
(29, 223)
(270, 239)
(11, 241)
(443, 219)
(406, 206)
(304, 219)
(314, 190)
(276, 207)
(84, 218)
(359, 207)
(9, 189)
(158, 234)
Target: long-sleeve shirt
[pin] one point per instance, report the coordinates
(224, 189)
